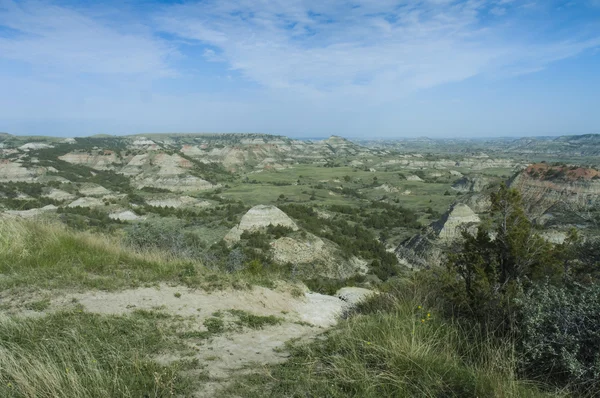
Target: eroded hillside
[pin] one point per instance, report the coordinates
(219, 249)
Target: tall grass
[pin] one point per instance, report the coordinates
(49, 255)
(393, 346)
(76, 354)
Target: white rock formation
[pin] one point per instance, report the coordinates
(93, 190)
(86, 202)
(31, 212)
(34, 145)
(58, 194)
(106, 160)
(413, 178)
(258, 217)
(178, 202)
(387, 188)
(471, 184)
(451, 223)
(13, 171)
(127, 215)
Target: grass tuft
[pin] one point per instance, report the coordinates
(77, 354)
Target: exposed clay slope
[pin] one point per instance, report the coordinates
(315, 256)
(428, 247)
(236, 351)
(258, 217)
(559, 191)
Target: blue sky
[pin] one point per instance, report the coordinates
(362, 68)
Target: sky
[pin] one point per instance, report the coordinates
(301, 68)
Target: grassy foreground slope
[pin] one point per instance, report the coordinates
(391, 346)
(48, 255)
(77, 354)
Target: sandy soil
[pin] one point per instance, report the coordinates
(235, 352)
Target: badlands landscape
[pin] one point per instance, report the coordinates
(246, 265)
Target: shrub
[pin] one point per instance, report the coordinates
(561, 335)
(492, 272)
(166, 235)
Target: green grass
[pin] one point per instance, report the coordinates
(36, 255)
(265, 191)
(249, 320)
(77, 354)
(40, 305)
(236, 320)
(391, 348)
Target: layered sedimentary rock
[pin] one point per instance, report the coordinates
(471, 184)
(104, 160)
(13, 171)
(258, 217)
(126, 215)
(428, 247)
(451, 224)
(58, 194)
(86, 202)
(559, 192)
(312, 256)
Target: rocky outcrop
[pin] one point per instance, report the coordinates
(471, 184)
(473, 163)
(126, 215)
(428, 247)
(93, 190)
(178, 202)
(104, 160)
(86, 202)
(387, 188)
(479, 202)
(259, 217)
(451, 224)
(13, 171)
(58, 194)
(165, 171)
(186, 183)
(34, 146)
(561, 194)
(312, 256)
(31, 213)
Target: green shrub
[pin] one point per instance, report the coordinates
(166, 235)
(561, 335)
(497, 264)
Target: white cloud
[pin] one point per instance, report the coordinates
(50, 36)
(316, 67)
(368, 47)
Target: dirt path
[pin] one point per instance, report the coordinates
(234, 352)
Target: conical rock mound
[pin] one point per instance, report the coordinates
(449, 226)
(258, 217)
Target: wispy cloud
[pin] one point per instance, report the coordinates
(50, 36)
(284, 66)
(367, 46)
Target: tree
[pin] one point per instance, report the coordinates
(501, 261)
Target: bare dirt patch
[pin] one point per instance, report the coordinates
(235, 351)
